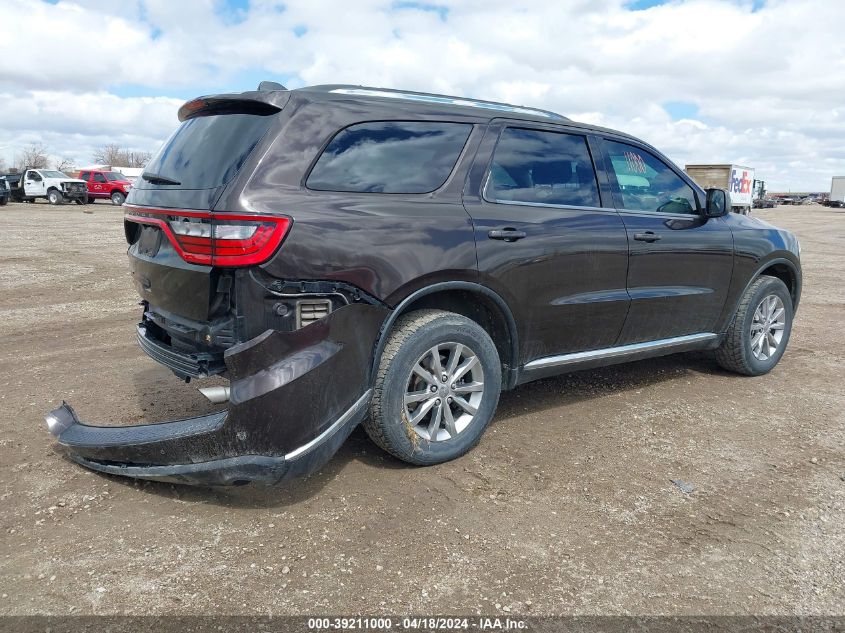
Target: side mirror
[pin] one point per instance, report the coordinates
(718, 203)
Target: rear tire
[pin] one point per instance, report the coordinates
(3, 202)
(117, 198)
(55, 197)
(421, 426)
(759, 333)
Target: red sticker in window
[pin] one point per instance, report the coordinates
(636, 164)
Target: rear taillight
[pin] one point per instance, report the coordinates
(216, 239)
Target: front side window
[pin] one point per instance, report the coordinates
(390, 157)
(112, 176)
(542, 167)
(646, 183)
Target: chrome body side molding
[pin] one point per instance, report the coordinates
(666, 344)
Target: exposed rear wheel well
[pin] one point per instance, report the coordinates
(482, 309)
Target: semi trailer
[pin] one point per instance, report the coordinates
(837, 192)
(738, 180)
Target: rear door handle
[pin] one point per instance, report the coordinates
(648, 236)
(508, 234)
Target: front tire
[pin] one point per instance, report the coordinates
(117, 198)
(55, 197)
(759, 333)
(437, 388)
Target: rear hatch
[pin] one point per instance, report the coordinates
(182, 250)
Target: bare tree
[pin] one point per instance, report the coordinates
(34, 155)
(2, 165)
(110, 154)
(137, 159)
(64, 164)
(114, 155)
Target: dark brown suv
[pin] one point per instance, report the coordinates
(345, 254)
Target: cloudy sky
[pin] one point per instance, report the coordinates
(755, 82)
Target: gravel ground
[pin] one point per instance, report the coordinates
(566, 507)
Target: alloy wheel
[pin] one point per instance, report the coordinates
(444, 390)
(767, 327)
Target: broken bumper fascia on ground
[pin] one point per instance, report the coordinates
(295, 397)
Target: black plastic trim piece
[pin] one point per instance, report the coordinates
(183, 365)
(510, 369)
(795, 293)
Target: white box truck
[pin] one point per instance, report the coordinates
(837, 191)
(738, 180)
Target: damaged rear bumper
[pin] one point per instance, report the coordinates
(294, 399)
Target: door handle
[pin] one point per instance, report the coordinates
(648, 236)
(507, 234)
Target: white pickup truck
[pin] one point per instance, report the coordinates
(53, 185)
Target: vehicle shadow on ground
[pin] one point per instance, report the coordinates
(556, 392)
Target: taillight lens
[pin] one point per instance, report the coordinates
(219, 239)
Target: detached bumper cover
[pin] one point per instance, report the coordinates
(295, 397)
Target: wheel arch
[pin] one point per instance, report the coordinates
(472, 300)
(785, 270)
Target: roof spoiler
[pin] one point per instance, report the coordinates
(265, 101)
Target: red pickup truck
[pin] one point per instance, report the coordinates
(105, 184)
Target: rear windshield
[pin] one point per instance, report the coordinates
(390, 157)
(207, 151)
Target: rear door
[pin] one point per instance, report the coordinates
(680, 262)
(548, 238)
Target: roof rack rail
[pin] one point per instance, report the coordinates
(446, 100)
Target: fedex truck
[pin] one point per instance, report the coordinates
(738, 180)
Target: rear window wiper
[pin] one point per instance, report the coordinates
(157, 179)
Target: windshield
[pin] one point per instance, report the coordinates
(114, 175)
(53, 174)
(206, 151)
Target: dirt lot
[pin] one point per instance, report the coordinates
(565, 507)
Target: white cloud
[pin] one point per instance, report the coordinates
(768, 84)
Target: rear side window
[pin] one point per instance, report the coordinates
(540, 167)
(99, 178)
(390, 157)
(648, 184)
(207, 150)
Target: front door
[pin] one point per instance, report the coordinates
(97, 186)
(33, 184)
(545, 241)
(680, 262)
